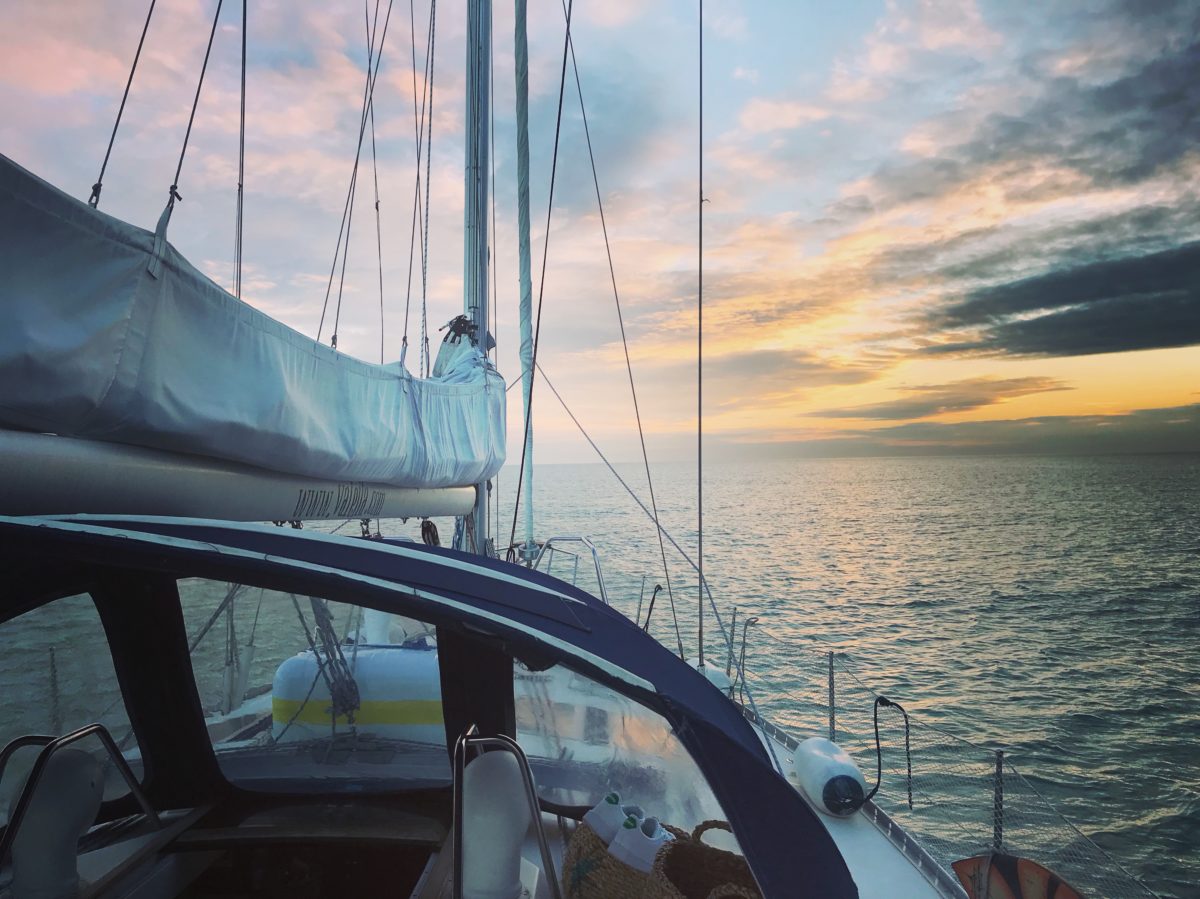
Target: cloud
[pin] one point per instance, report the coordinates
(1173, 429)
(1134, 303)
(938, 399)
(1115, 133)
(762, 115)
(908, 39)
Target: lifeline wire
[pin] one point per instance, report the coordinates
(612, 274)
(94, 199)
(537, 329)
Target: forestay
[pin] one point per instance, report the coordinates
(111, 335)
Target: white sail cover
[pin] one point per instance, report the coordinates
(109, 335)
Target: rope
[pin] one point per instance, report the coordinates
(94, 199)
(537, 329)
(237, 238)
(343, 689)
(300, 708)
(887, 703)
(173, 193)
(612, 274)
(347, 208)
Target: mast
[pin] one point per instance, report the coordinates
(475, 203)
(526, 307)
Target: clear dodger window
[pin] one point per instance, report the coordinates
(584, 740)
(56, 676)
(300, 693)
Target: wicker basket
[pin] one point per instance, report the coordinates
(590, 872)
(690, 869)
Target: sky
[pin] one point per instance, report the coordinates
(928, 226)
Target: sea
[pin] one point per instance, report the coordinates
(1048, 607)
(1044, 607)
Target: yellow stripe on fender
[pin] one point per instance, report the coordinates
(371, 711)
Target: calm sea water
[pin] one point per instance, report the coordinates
(1046, 606)
(1049, 607)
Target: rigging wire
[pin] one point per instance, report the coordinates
(726, 634)
(537, 328)
(586, 436)
(94, 199)
(174, 189)
(494, 317)
(343, 229)
(375, 172)
(700, 352)
(621, 321)
(428, 175)
(337, 310)
(368, 113)
(419, 126)
(237, 231)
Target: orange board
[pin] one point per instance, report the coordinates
(999, 876)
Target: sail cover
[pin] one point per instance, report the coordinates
(111, 335)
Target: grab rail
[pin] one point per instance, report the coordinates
(50, 746)
(588, 544)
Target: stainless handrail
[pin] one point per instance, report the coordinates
(470, 738)
(50, 746)
(586, 541)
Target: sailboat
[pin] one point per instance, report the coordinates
(446, 720)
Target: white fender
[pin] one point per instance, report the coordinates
(829, 777)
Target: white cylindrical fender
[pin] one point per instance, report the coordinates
(829, 777)
(399, 689)
(495, 819)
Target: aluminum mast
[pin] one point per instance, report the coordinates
(475, 203)
(521, 42)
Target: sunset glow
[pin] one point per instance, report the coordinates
(931, 226)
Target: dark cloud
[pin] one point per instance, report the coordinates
(936, 399)
(796, 366)
(759, 378)
(1167, 430)
(1002, 253)
(1117, 132)
(1135, 303)
(1096, 282)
